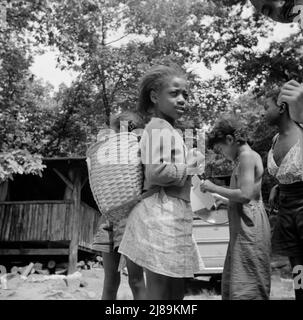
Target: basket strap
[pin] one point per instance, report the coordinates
(122, 206)
(138, 199)
(150, 192)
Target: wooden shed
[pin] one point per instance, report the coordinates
(50, 215)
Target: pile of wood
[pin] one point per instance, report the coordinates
(87, 265)
(51, 267)
(36, 268)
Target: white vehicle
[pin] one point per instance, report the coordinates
(211, 232)
(212, 241)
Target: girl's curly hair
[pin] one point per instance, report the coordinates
(228, 125)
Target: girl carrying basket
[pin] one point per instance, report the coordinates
(158, 234)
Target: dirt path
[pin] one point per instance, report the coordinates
(87, 285)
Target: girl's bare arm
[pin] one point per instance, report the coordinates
(246, 178)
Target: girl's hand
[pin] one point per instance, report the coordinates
(207, 186)
(273, 197)
(220, 203)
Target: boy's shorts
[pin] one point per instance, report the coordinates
(109, 235)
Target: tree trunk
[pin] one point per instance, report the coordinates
(104, 98)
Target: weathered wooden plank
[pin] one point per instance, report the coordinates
(4, 219)
(25, 218)
(57, 224)
(32, 221)
(35, 202)
(19, 225)
(54, 223)
(8, 227)
(12, 229)
(39, 209)
(40, 221)
(62, 216)
(89, 224)
(31, 225)
(29, 211)
(46, 251)
(24, 224)
(4, 223)
(45, 224)
(50, 223)
(58, 220)
(2, 216)
(66, 223)
(12, 223)
(36, 233)
(88, 216)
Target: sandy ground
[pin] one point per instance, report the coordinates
(87, 285)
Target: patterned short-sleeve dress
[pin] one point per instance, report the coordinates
(158, 234)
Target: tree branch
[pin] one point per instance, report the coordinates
(115, 88)
(116, 40)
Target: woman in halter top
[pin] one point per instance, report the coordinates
(285, 163)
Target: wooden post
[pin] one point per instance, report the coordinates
(3, 190)
(75, 220)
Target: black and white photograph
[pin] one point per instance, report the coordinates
(151, 150)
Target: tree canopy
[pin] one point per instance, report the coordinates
(111, 44)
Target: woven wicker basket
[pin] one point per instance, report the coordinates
(115, 174)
